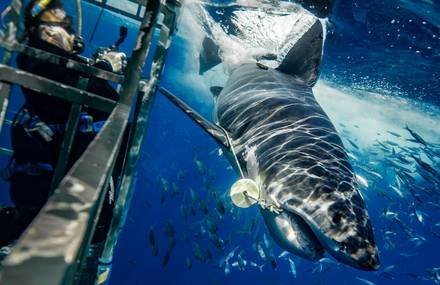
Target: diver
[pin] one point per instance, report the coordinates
(38, 127)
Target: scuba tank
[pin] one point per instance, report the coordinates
(40, 6)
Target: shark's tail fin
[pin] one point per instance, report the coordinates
(298, 54)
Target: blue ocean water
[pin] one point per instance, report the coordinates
(380, 73)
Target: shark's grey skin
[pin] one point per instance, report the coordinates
(302, 164)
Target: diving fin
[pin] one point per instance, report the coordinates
(214, 131)
(215, 90)
(303, 60)
(209, 55)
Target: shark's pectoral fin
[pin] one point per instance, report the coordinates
(214, 131)
(304, 59)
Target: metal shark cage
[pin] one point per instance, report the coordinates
(54, 248)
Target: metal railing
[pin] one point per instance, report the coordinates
(137, 134)
(55, 245)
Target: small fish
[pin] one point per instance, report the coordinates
(403, 159)
(188, 263)
(437, 235)
(406, 177)
(216, 240)
(155, 250)
(203, 207)
(166, 258)
(176, 190)
(172, 243)
(418, 214)
(192, 210)
(163, 197)
(208, 254)
(292, 267)
(283, 254)
(426, 176)
(169, 230)
(386, 272)
(416, 136)
(184, 212)
(261, 251)
(211, 225)
(417, 240)
(180, 175)
(391, 143)
(200, 166)
(220, 206)
(273, 263)
(230, 254)
(165, 184)
(266, 241)
(426, 167)
(362, 181)
(397, 190)
(394, 134)
(227, 269)
(241, 262)
(408, 254)
(378, 175)
(153, 242)
(198, 253)
(253, 224)
(353, 144)
(253, 264)
(318, 269)
(389, 268)
(194, 197)
(365, 281)
(352, 156)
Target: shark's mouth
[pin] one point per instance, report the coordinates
(293, 234)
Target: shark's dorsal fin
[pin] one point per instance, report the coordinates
(304, 58)
(217, 133)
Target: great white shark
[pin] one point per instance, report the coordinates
(279, 136)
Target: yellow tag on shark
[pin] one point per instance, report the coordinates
(103, 276)
(245, 193)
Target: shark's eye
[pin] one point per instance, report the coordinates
(337, 218)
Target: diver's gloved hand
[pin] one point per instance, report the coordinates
(78, 44)
(111, 60)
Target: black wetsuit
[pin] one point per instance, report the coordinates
(29, 192)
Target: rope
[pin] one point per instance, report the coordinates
(79, 16)
(98, 21)
(234, 154)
